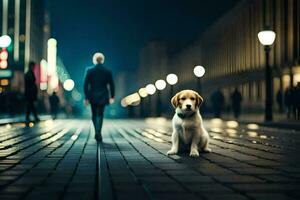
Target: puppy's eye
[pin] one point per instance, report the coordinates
(192, 98)
(183, 98)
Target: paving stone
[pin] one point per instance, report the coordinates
(163, 187)
(233, 196)
(269, 196)
(175, 196)
(208, 188)
(238, 179)
(194, 179)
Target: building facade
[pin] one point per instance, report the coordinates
(233, 57)
(24, 22)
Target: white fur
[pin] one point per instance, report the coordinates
(189, 130)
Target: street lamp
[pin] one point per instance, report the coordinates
(150, 89)
(160, 85)
(199, 72)
(172, 79)
(267, 38)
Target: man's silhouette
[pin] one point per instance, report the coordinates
(236, 100)
(96, 83)
(31, 91)
(54, 104)
(218, 101)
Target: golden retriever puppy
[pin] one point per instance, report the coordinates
(187, 124)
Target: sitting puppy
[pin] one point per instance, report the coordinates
(187, 123)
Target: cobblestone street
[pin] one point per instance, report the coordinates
(61, 160)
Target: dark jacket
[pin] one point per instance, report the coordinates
(96, 82)
(30, 86)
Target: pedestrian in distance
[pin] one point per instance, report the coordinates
(31, 92)
(54, 104)
(279, 100)
(288, 102)
(236, 101)
(218, 102)
(294, 102)
(297, 100)
(99, 90)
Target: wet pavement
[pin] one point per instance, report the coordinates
(61, 160)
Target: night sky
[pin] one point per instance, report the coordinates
(119, 28)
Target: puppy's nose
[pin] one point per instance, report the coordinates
(188, 106)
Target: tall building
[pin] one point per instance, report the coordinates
(24, 22)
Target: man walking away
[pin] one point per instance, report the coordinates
(236, 100)
(54, 104)
(99, 90)
(31, 91)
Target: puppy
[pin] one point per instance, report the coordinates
(187, 123)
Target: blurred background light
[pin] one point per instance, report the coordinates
(151, 89)
(160, 84)
(143, 92)
(5, 41)
(172, 79)
(69, 84)
(199, 71)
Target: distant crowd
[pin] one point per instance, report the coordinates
(292, 102)
(14, 103)
(288, 102)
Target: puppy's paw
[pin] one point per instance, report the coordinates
(207, 150)
(194, 153)
(172, 152)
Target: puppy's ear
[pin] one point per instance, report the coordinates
(175, 100)
(199, 99)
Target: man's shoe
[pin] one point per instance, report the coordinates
(98, 137)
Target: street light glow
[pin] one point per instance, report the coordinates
(3, 55)
(5, 41)
(131, 100)
(52, 42)
(143, 92)
(160, 84)
(172, 79)
(69, 84)
(151, 89)
(266, 37)
(199, 71)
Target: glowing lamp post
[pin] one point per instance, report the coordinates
(160, 85)
(52, 64)
(172, 79)
(199, 72)
(150, 89)
(267, 38)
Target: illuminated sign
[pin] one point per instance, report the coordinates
(5, 73)
(3, 59)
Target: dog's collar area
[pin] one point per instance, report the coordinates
(183, 116)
